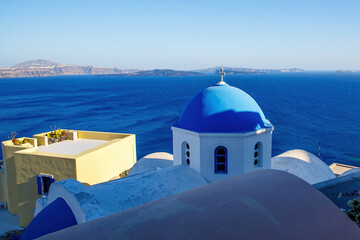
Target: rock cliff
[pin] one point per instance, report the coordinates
(41, 68)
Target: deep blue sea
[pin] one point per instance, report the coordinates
(305, 108)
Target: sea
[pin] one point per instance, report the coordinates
(315, 111)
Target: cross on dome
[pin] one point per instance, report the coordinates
(221, 74)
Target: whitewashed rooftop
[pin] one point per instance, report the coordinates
(303, 164)
(70, 146)
(88, 203)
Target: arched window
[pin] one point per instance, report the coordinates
(185, 148)
(220, 160)
(258, 154)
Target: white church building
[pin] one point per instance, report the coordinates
(222, 133)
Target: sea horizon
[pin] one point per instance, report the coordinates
(304, 108)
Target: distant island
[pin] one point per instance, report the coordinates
(234, 70)
(163, 72)
(42, 68)
(345, 71)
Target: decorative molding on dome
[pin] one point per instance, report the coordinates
(235, 135)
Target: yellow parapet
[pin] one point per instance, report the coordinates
(89, 157)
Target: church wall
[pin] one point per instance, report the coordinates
(179, 136)
(249, 144)
(235, 150)
(240, 150)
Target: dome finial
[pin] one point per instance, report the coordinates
(221, 74)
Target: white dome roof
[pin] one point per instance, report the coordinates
(151, 162)
(304, 165)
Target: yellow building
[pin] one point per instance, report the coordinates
(89, 157)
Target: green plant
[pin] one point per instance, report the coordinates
(354, 212)
(124, 173)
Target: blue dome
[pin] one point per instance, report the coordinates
(222, 109)
(54, 217)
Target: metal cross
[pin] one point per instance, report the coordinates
(222, 74)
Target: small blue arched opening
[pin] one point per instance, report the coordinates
(221, 160)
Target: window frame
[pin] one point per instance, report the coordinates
(216, 163)
(40, 183)
(185, 151)
(259, 155)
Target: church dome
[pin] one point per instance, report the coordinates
(222, 109)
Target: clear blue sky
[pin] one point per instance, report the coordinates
(309, 34)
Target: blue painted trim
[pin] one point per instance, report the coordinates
(39, 185)
(216, 163)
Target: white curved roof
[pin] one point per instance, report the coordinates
(153, 161)
(248, 206)
(303, 164)
(88, 203)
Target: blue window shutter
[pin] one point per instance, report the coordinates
(39, 185)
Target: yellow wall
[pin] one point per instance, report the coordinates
(94, 166)
(41, 140)
(29, 165)
(102, 163)
(101, 135)
(8, 149)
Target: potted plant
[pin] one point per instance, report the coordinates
(56, 135)
(16, 141)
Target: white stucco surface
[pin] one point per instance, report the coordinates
(110, 197)
(40, 204)
(240, 148)
(66, 189)
(70, 146)
(180, 138)
(304, 165)
(151, 162)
